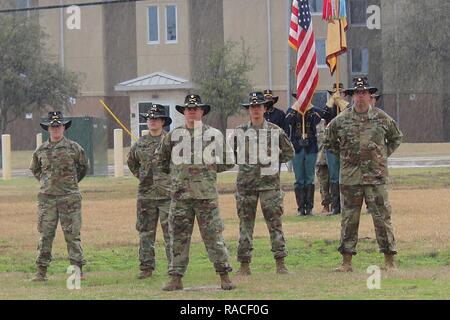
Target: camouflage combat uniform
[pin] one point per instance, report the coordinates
(251, 185)
(322, 167)
(194, 194)
(59, 167)
(153, 199)
(364, 141)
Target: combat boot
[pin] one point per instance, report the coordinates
(389, 262)
(281, 268)
(346, 264)
(326, 210)
(40, 275)
(300, 197)
(225, 282)
(244, 270)
(175, 283)
(335, 199)
(82, 276)
(145, 274)
(309, 199)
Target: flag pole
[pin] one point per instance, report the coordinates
(337, 57)
(118, 121)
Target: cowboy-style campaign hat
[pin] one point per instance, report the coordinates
(360, 84)
(268, 95)
(55, 119)
(255, 98)
(341, 87)
(376, 96)
(157, 111)
(193, 101)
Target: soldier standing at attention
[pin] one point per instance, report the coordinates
(194, 193)
(364, 137)
(252, 184)
(322, 170)
(153, 199)
(334, 106)
(302, 132)
(59, 164)
(273, 114)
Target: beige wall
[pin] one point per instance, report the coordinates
(248, 20)
(170, 58)
(83, 49)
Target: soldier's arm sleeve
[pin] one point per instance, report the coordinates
(82, 165)
(133, 161)
(286, 148)
(287, 124)
(331, 140)
(163, 155)
(35, 166)
(228, 154)
(393, 137)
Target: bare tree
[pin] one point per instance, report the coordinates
(224, 82)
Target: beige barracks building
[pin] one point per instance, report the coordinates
(148, 51)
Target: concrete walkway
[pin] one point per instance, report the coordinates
(404, 162)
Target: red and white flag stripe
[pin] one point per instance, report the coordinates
(301, 38)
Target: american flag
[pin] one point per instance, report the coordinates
(301, 38)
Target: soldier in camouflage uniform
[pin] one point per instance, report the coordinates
(59, 165)
(194, 192)
(322, 170)
(253, 183)
(153, 200)
(335, 105)
(364, 137)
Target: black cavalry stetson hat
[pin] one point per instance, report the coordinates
(360, 84)
(376, 96)
(157, 111)
(255, 98)
(268, 95)
(55, 119)
(193, 101)
(341, 87)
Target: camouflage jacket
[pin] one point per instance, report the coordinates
(363, 142)
(60, 167)
(153, 184)
(250, 176)
(321, 157)
(192, 177)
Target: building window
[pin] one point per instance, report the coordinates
(171, 24)
(359, 60)
(321, 53)
(319, 98)
(153, 25)
(316, 6)
(358, 15)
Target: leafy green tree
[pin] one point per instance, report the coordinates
(29, 81)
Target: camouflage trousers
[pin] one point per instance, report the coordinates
(324, 183)
(148, 212)
(376, 197)
(181, 224)
(67, 209)
(272, 209)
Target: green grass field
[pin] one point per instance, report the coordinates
(420, 202)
